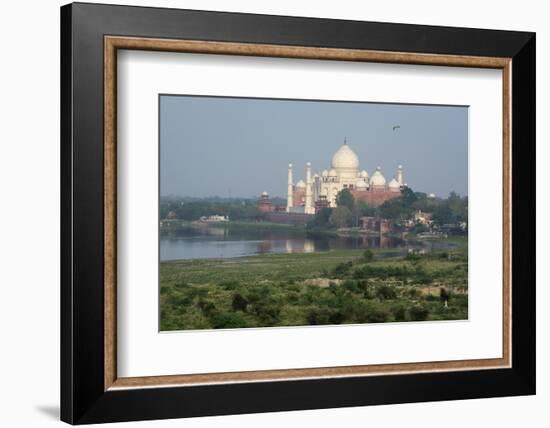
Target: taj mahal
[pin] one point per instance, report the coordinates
(320, 190)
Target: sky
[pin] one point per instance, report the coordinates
(240, 147)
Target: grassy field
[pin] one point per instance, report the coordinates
(334, 287)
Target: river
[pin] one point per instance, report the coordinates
(215, 241)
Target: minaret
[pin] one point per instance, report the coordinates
(309, 187)
(399, 176)
(289, 201)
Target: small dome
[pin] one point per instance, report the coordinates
(377, 178)
(431, 196)
(301, 184)
(265, 194)
(332, 173)
(325, 173)
(361, 184)
(364, 174)
(394, 185)
(345, 158)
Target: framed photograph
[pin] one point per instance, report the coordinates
(266, 213)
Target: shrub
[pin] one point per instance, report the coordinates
(363, 285)
(193, 292)
(230, 284)
(444, 296)
(351, 285)
(318, 316)
(378, 315)
(342, 269)
(368, 255)
(413, 293)
(228, 320)
(239, 303)
(206, 306)
(267, 312)
(399, 313)
(418, 313)
(385, 292)
(370, 312)
(180, 285)
(178, 300)
(412, 257)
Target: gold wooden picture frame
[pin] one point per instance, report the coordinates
(114, 43)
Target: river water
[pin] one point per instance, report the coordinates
(210, 241)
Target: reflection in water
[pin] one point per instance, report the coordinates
(223, 242)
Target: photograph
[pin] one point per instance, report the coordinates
(291, 212)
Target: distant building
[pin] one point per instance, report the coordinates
(214, 218)
(375, 225)
(320, 190)
(423, 218)
(265, 205)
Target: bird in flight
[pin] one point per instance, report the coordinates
(396, 127)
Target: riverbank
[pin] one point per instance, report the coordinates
(168, 226)
(332, 287)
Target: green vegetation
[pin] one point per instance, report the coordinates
(334, 287)
(452, 210)
(191, 209)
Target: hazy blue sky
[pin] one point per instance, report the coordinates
(240, 147)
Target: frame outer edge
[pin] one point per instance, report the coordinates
(66, 218)
(83, 397)
(524, 215)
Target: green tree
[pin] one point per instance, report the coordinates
(408, 196)
(321, 219)
(366, 210)
(345, 199)
(341, 217)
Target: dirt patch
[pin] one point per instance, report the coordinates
(322, 282)
(434, 291)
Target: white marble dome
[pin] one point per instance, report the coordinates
(361, 184)
(332, 173)
(325, 173)
(394, 185)
(301, 184)
(377, 178)
(364, 174)
(345, 159)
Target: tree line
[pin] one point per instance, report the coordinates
(193, 209)
(453, 209)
